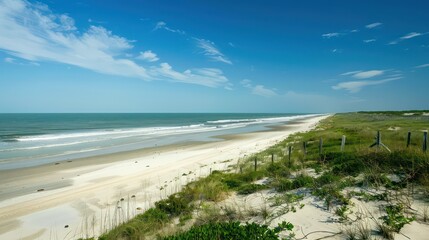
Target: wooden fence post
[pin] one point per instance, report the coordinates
(378, 142)
(378, 139)
(272, 158)
(256, 163)
(290, 153)
(425, 141)
(408, 139)
(304, 144)
(320, 146)
(343, 142)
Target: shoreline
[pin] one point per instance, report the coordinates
(44, 151)
(80, 190)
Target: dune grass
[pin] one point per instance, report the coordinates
(334, 170)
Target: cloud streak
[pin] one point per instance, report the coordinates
(331, 35)
(356, 86)
(163, 25)
(364, 74)
(373, 25)
(259, 90)
(208, 47)
(369, 40)
(148, 56)
(34, 33)
(209, 77)
(210, 50)
(368, 74)
(406, 37)
(9, 60)
(411, 35)
(423, 66)
(347, 32)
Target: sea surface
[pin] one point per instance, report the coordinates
(34, 139)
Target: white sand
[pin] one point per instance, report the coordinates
(88, 199)
(312, 220)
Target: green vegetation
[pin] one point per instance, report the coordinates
(232, 230)
(395, 218)
(326, 175)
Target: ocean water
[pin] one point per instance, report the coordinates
(34, 139)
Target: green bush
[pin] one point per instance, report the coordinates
(278, 170)
(175, 204)
(302, 181)
(153, 215)
(152, 219)
(282, 185)
(250, 188)
(231, 230)
(251, 176)
(210, 188)
(327, 178)
(349, 164)
(233, 183)
(395, 218)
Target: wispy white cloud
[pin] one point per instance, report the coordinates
(373, 25)
(163, 25)
(364, 74)
(148, 56)
(407, 36)
(9, 60)
(231, 44)
(210, 77)
(260, 90)
(90, 20)
(422, 66)
(246, 83)
(263, 91)
(411, 35)
(31, 31)
(350, 73)
(331, 35)
(160, 25)
(356, 86)
(338, 34)
(210, 50)
(368, 74)
(16, 61)
(369, 40)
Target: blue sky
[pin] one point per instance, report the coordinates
(213, 56)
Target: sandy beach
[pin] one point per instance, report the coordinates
(84, 197)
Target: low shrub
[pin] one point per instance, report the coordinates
(395, 218)
(278, 169)
(250, 188)
(175, 204)
(231, 230)
(302, 181)
(282, 185)
(327, 178)
(155, 215)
